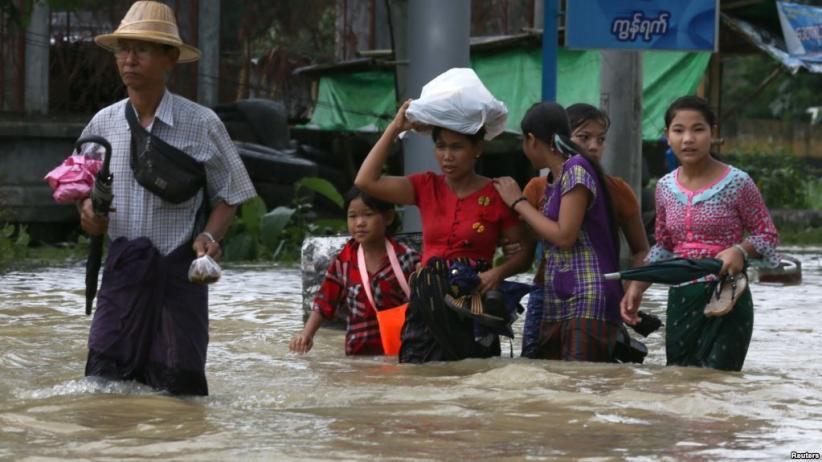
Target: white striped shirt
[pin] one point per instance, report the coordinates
(195, 130)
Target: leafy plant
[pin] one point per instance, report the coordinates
(14, 243)
(814, 192)
(786, 97)
(793, 235)
(278, 234)
(785, 181)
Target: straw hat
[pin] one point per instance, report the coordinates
(150, 21)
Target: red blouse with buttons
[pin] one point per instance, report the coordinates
(459, 228)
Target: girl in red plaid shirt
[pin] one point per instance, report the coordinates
(369, 223)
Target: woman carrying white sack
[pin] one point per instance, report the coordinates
(463, 216)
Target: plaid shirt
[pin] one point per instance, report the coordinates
(193, 129)
(343, 288)
(573, 284)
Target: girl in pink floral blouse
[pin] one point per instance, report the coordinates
(705, 208)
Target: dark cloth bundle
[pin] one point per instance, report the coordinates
(432, 331)
(495, 311)
(151, 323)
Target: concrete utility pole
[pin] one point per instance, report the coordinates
(438, 39)
(37, 60)
(208, 68)
(621, 99)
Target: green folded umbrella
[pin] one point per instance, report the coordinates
(674, 271)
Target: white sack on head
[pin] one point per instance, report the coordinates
(457, 100)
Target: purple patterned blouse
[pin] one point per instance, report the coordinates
(574, 286)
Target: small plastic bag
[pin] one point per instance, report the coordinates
(458, 100)
(204, 270)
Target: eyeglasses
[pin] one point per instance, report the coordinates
(141, 50)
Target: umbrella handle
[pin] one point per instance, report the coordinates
(613, 276)
(93, 139)
(788, 266)
(102, 142)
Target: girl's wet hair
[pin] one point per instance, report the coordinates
(374, 204)
(691, 103)
(475, 139)
(581, 113)
(549, 123)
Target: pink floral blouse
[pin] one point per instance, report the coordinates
(700, 224)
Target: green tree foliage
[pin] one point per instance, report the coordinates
(787, 97)
(785, 181)
(14, 243)
(304, 28)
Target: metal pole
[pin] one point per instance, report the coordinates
(549, 50)
(208, 68)
(549, 63)
(621, 99)
(37, 60)
(438, 39)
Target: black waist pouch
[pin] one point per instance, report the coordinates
(166, 171)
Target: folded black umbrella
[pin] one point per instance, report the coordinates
(101, 197)
(673, 271)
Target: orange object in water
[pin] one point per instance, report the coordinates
(391, 321)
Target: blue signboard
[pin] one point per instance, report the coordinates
(802, 29)
(643, 24)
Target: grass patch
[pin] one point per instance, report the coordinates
(789, 235)
(46, 255)
(57, 255)
(813, 191)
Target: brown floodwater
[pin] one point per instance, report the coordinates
(267, 403)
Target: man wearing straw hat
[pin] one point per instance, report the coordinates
(177, 180)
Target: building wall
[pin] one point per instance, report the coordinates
(29, 150)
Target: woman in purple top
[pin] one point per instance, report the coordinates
(581, 317)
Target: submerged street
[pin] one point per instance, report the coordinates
(266, 402)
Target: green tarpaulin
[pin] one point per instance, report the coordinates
(365, 101)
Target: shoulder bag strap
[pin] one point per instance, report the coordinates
(366, 281)
(140, 134)
(395, 265)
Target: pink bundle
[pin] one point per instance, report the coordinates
(73, 179)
